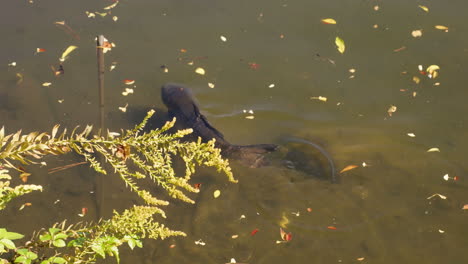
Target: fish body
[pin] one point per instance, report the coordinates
(181, 104)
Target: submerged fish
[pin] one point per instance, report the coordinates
(181, 105)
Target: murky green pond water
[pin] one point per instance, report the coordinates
(277, 56)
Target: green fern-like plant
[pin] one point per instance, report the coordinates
(149, 153)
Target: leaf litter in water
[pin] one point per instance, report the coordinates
(433, 150)
(416, 33)
(285, 236)
(67, 52)
(200, 71)
(111, 6)
(447, 177)
(425, 8)
(329, 21)
(432, 71)
(392, 109)
(348, 168)
(254, 232)
(320, 98)
(440, 27)
(340, 44)
(443, 197)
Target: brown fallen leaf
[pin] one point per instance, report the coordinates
(349, 167)
(465, 207)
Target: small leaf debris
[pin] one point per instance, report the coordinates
(329, 21)
(340, 45)
(348, 168)
(433, 150)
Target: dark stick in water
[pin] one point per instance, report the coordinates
(181, 105)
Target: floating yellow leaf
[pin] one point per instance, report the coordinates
(123, 109)
(216, 193)
(329, 21)
(392, 109)
(411, 135)
(200, 71)
(211, 85)
(320, 98)
(443, 197)
(433, 150)
(67, 52)
(46, 84)
(20, 78)
(284, 221)
(441, 27)
(416, 33)
(111, 6)
(432, 71)
(349, 167)
(101, 14)
(127, 91)
(340, 44)
(250, 117)
(424, 8)
(416, 79)
(90, 14)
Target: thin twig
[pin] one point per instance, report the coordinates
(56, 169)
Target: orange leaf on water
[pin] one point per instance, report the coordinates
(349, 167)
(40, 50)
(465, 207)
(128, 82)
(285, 236)
(331, 227)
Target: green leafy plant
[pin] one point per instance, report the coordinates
(6, 240)
(25, 256)
(133, 155)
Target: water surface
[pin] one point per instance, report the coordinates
(381, 212)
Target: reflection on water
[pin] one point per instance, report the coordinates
(379, 212)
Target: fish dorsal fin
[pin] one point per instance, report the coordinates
(205, 121)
